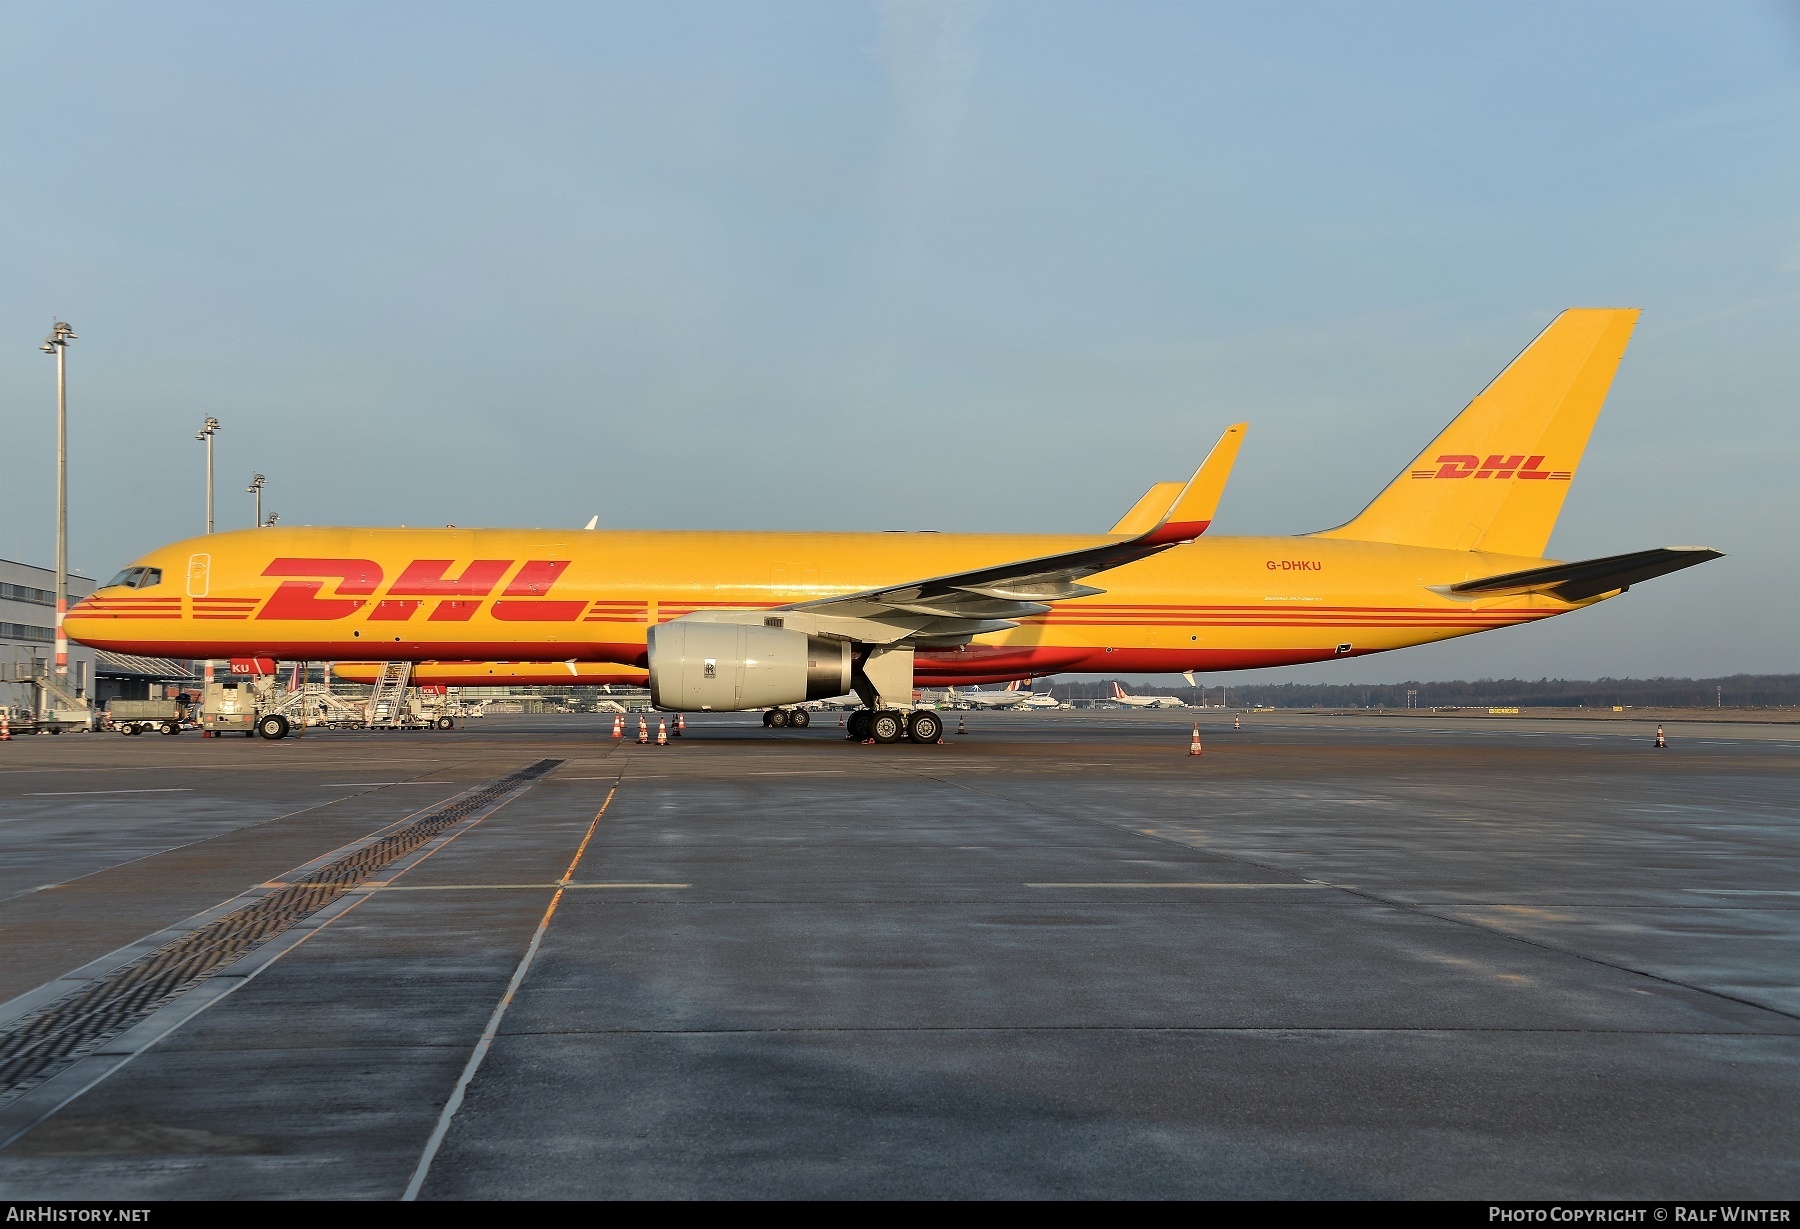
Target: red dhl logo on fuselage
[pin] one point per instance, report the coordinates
(457, 597)
(1468, 465)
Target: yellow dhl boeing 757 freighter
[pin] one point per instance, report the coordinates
(745, 620)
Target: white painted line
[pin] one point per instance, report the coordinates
(74, 793)
(1177, 885)
(1742, 892)
(493, 1025)
(31, 1108)
(199, 766)
(360, 784)
(494, 887)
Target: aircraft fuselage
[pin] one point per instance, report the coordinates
(519, 595)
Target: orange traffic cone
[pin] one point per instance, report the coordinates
(643, 731)
(1194, 747)
(680, 724)
(618, 725)
(960, 727)
(840, 721)
(5, 727)
(1237, 723)
(662, 733)
(1660, 740)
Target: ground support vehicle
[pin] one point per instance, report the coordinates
(67, 720)
(148, 716)
(19, 721)
(433, 707)
(244, 708)
(313, 705)
(54, 708)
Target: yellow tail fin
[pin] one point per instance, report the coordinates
(1495, 478)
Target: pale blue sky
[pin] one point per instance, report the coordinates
(959, 266)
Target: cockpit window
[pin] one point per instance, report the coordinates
(135, 578)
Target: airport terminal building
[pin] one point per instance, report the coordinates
(28, 631)
(28, 646)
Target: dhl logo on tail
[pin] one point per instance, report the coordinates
(1467, 465)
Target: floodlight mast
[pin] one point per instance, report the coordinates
(58, 343)
(208, 429)
(257, 483)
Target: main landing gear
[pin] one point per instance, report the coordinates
(919, 726)
(794, 718)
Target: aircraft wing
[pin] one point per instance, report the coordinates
(964, 604)
(1574, 582)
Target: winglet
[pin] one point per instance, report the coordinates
(1146, 512)
(1199, 500)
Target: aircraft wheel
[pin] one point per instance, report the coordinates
(924, 727)
(778, 717)
(273, 726)
(768, 718)
(799, 718)
(857, 726)
(887, 727)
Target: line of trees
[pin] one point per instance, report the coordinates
(1733, 691)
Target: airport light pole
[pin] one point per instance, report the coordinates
(58, 344)
(257, 483)
(208, 429)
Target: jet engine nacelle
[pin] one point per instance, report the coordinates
(727, 666)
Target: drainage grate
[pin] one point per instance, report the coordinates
(49, 1040)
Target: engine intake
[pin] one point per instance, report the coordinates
(723, 667)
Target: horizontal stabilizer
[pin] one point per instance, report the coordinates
(1575, 582)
